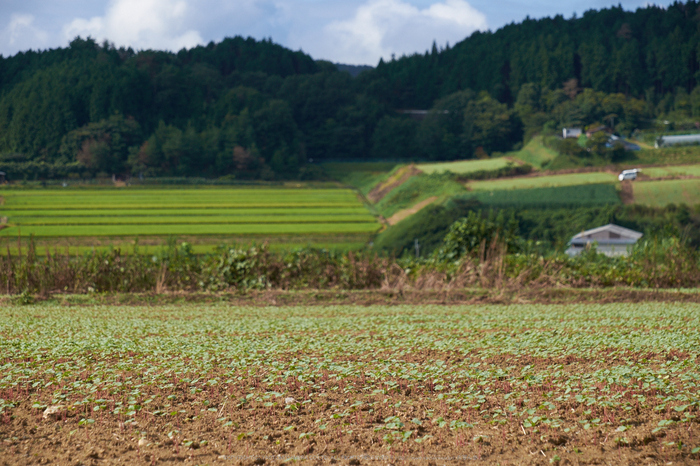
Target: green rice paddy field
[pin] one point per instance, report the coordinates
(87, 216)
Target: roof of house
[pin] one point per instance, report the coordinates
(596, 129)
(680, 138)
(607, 234)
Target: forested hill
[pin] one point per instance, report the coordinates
(652, 51)
(253, 109)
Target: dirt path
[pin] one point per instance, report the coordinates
(627, 192)
(397, 179)
(405, 213)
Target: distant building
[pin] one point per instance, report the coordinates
(2, 177)
(677, 140)
(591, 131)
(571, 133)
(420, 114)
(414, 114)
(625, 143)
(611, 240)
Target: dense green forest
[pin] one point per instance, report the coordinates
(254, 110)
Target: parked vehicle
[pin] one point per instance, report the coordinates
(628, 174)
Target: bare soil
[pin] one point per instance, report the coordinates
(532, 295)
(266, 433)
(272, 435)
(405, 213)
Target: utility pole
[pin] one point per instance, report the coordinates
(416, 245)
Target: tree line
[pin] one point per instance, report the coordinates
(255, 110)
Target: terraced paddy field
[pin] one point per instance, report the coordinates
(468, 384)
(664, 192)
(534, 153)
(84, 215)
(547, 181)
(462, 167)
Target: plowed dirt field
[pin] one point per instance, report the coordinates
(404, 384)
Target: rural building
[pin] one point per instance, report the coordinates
(625, 143)
(2, 177)
(574, 133)
(611, 240)
(420, 115)
(677, 140)
(591, 131)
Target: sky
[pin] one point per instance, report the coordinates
(342, 31)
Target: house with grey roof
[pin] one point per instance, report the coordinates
(611, 240)
(574, 133)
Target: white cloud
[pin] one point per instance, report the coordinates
(381, 28)
(142, 24)
(352, 31)
(20, 33)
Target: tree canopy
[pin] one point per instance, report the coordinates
(253, 109)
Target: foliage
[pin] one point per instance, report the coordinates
(543, 229)
(466, 259)
(428, 226)
(475, 233)
(550, 61)
(254, 110)
(475, 245)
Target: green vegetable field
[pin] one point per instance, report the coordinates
(465, 383)
(577, 195)
(226, 213)
(664, 192)
(672, 171)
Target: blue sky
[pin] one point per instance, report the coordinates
(345, 31)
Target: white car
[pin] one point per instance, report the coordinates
(628, 174)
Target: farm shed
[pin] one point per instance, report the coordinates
(611, 240)
(625, 143)
(571, 133)
(677, 140)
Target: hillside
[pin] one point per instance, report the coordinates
(652, 50)
(248, 109)
(548, 206)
